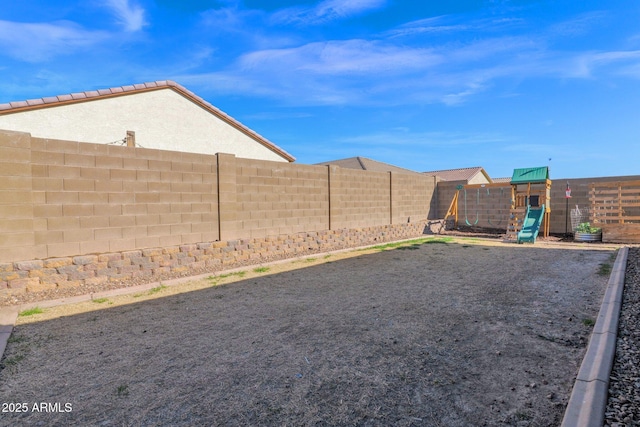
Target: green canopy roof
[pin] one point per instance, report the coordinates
(533, 175)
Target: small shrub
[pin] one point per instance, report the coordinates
(12, 360)
(605, 269)
(156, 289)
(31, 312)
(122, 390)
(586, 227)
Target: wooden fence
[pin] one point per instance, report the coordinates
(615, 207)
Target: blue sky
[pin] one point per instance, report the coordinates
(425, 85)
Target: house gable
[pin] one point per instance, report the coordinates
(473, 175)
(363, 163)
(164, 115)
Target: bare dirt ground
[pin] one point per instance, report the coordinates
(462, 333)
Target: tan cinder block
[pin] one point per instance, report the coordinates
(180, 207)
(121, 198)
(94, 173)
(15, 169)
(169, 240)
(108, 233)
(159, 187)
(109, 162)
(63, 223)
(180, 187)
(48, 184)
(135, 163)
(17, 155)
(55, 171)
(46, 236)
(37, 197)
(16, 225)
(93, 197)
(61, 197)
(119, 151)
(109, 186)
(144, 220)
(160, 165)
(94, 247)
(122, 175)
(178, 229)
(122, 221)
(77, 210)
(181, 166)
(11, 139)
(147, 175)
(157, 208)
(72, 159)
(171, 218)
(93, 149)
(60, 146)
(147, 242)
(63, 249)
(119, 245)
(23, 210)
(78, 235)
(171, 176)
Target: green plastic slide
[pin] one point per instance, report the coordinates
(531, 225)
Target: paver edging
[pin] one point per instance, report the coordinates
(588, 401)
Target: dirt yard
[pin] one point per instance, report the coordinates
(463, 333)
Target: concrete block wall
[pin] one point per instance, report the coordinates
(409, 196)
(79, 214)
(276, 198)
(92, 198)
(490, 207)
(360, 198)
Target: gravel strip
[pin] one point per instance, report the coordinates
(623, 406)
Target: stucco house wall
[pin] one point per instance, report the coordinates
(163, 116)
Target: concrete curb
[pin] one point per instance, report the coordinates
(8, 316)
(588, 399)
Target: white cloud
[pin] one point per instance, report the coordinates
(385, 69)
(130, 16)
(326, 11)
(341, 58)
(406, 137)
(35, 42)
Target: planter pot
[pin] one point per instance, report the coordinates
(588, 237)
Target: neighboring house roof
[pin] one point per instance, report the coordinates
(54, 101)
(363, 163)
(501, 180)
(530, 175)
(462, 174)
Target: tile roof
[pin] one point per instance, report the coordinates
(501, 180)
(364, 163)
(53, 101)
(462, 174)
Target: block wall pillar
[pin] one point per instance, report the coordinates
(333, 175)
(227, 197)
